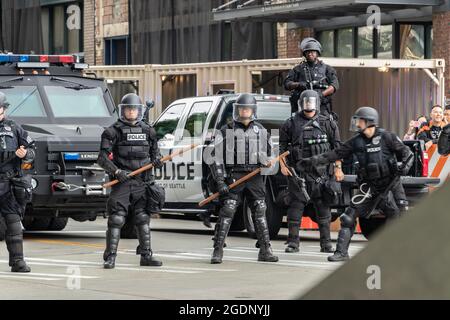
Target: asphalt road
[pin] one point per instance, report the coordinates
(68, 265)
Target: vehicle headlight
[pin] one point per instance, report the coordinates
(34, 183)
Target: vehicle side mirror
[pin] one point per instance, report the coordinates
(150, 104)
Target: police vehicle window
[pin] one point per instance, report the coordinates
(273, 114)
(168, 121)
(24, 102)
(82, 103)
(196, 119)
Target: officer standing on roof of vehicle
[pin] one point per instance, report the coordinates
(313, 74)
(377, 151)
(304, 135)
(242, 147)
(16, 148)
(133, 144)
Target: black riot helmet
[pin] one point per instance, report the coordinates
(134, 102)
(366, 113)
(309, 101)
(245, 100)
(3, 102)
(310, 44)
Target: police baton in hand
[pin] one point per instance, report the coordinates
(149, 166)
(241, 180)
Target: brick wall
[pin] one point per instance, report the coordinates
(293, 38)
(111, 20)
(89, 31)
(441, 43)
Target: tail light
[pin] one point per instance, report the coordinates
(425, 161)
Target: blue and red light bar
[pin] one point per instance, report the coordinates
(11, 58)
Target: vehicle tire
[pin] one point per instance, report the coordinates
(370, 226)
(2, 229)
(129, 229)
(37, 223)
(58, 224)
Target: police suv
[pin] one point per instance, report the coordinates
(65, 113)
(187, 179)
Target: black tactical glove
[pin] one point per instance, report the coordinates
(157, 163)
(303, 85)
(222, 187)
(402, 170)
(122, 175)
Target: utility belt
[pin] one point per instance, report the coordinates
(374, 172)
(7, 175)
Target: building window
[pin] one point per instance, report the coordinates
(326, 38)
(385, 42)
(345, 43)
(62, 27)
(117, 51)
(365, 42)
(412, 41)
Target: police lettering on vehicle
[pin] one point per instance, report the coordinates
(136, 137)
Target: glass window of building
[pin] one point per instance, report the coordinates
(412, 41)
(365, 42)
(345, 43)
(327, 40)
(385, 42)
(62, 26)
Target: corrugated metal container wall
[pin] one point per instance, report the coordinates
(399, 95)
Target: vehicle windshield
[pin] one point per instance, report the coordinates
(72, 103)
(24, 101)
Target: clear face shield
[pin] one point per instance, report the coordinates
(309, 104)
(358, 124)
(131, 112)
(244, 112)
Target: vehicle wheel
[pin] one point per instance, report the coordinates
(37, 224)
(2, 229)
(58, 224)
(370, 226)
(129, 229)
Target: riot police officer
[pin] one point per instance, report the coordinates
(377, 152)
(307, 134)
(313, 74)
(132, 143)
(16, 148)
(444, 141)
(241, 147)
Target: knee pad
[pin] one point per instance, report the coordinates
(142, 218)
(116, 220)
(229, 208)
(14, 227)
(260, 208)
(348, 218)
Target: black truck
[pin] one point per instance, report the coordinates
(65, 112)
(187, 180)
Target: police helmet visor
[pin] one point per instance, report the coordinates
(358, 124)
(244, 112)
(131, 112)
(309, 104)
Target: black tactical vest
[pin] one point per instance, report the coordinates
(376, 161)
(250, 147)
(9, 143)
(309, 137)
(133, 147)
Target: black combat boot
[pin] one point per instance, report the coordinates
(206, 219)
(14, 244)
(147, 259)
(219, 241)
(325, 238)
(341, 253)
(293, 240)
(112, 243)
(262, 233)
(16, 260)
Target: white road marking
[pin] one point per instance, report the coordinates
(21, 277)
(56, 275)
